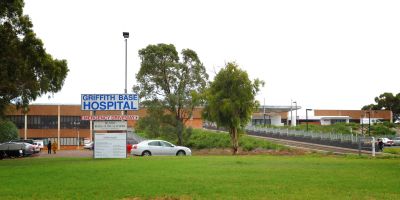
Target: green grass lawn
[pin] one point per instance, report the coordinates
(201, 177)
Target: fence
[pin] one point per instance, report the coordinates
(333, 139)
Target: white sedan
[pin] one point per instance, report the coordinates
(159, 147)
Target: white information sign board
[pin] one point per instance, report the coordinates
(110, 145)
(110, 125)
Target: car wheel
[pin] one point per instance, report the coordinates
(181, 153)
(146, 153)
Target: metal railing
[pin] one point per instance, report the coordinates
(337, 137)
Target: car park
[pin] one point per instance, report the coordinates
(88, 145)
(396, 141)
(159, 147)
(15, 149)
(36, 147)
(40, 143)
(387, 141)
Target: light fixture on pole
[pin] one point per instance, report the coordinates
(307, 118)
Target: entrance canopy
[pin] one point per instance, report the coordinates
(276, 109)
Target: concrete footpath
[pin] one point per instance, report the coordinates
(65, 153)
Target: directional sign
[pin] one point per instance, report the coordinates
(109, 117)
(110, 125)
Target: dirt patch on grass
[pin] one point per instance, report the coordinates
(216, 151)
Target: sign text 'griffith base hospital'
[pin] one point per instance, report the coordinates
(109, 102)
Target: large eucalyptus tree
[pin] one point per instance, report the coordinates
(173, 83)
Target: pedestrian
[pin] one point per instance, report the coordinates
(380, 145)
(49, 147)
(54, 147)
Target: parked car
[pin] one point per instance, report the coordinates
(22, 140)
(396, 141)
(88, 145)
(15, 149)
(40, 143)
(387, 141)
(159, 147)
(36, 147)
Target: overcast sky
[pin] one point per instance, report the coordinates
(336, 54)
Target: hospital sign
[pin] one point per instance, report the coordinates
(95, 102)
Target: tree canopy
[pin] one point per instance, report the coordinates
(386, 101)
(27, 71)
(230, 100)
(173, 83)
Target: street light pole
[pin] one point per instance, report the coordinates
(295, 110)
(291, 113)
(307, 118)
(126, 36)
(264, 113)
(369, 123)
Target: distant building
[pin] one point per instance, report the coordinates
(59, 122)
(328, 117)
(48, 122)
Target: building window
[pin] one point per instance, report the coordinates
(67, 122)
(18, 120)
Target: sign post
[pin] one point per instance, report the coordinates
(106, 144)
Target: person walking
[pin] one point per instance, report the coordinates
(54, 147)
(49, 147)
(380, 145)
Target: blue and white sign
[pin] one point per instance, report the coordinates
(109, 102)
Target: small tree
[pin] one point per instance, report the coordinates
(386, 101)
(8, 131)
(230, 101)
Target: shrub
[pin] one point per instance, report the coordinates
(381, 129)
(8, 131)
(202, 139)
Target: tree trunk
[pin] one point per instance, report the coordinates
(180, 132)
(234, 139)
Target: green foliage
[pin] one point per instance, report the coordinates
(27, 71)
(8, 131)
(159, 124)
(343, 128)
(381, 129)
(203, 139)
(386, 101)
(172, 83)
(231, 100)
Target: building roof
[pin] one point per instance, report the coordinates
(277, 109)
